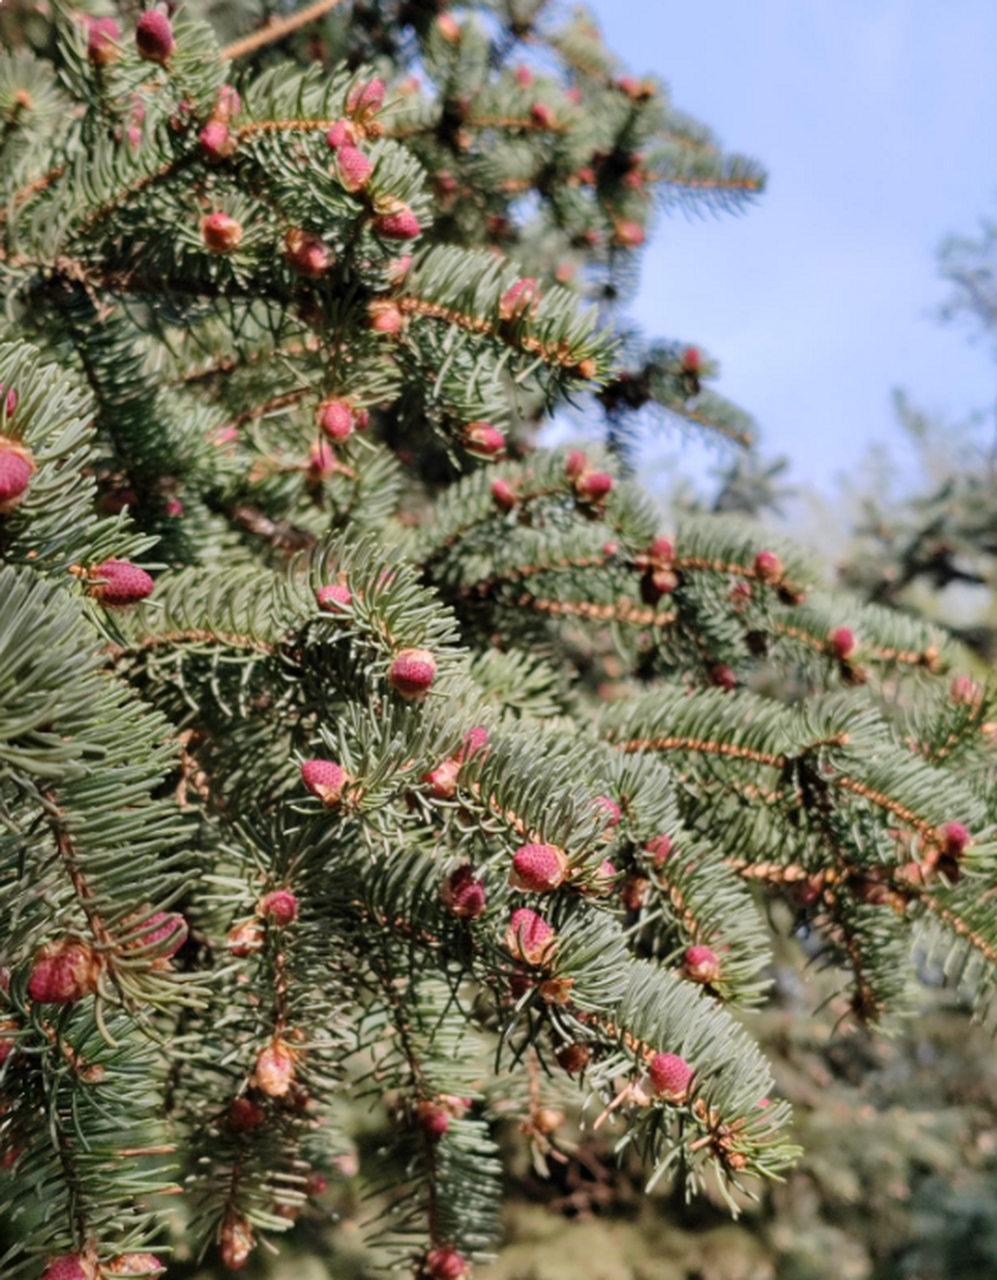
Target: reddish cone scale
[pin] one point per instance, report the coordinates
(434, 1120)
(575, 464)
(397, 224)
(324, 779)
(482, 437)
(336, 419)
(573, 1058)
(160, 927)
(503, 495)
(280, 906)
(274, 1070)
(243, 939)
(529, 937)
(154, 37)
(62, 972)
(543, 116)
(220, 233)
(229, 104)
(16, 469)
(768, 566)
(692, 361)
(659, 847)
(538, 868)
(670, 1076)
(71, 1266)
(385, 316)
(965, 691)
(306, 254)
(103, 35)
(355, 169)
(216, 141)
(134, 1264)
(475, 740)
(442, 781)
(446, 1263)
(593, 486)
(412, 672)
(701, 965)
(519, 298)
(244, 1115)
(236, 1242)
(334, 597)
(662, 551)
(365, 100)
(956, 839)
(119, 583)
(463, 896)
(843, 643)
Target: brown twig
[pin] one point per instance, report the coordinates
(278, 28)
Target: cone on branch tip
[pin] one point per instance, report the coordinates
(154, 37)
(411, 673)
(529, 938)
(538, 868)
(221, 233)
(669, 1077)
(280, 906)
(325, 779)
(17, 466)
(701, 964)
(63, 972)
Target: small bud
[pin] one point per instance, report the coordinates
(216, 141)
(445, 1263)
(228, 106)
(463, 896)
(529, 938)
(306, 254)
(524, 76)
(274, 1070)
(482, 437)
(434, 1120)
(103, 35)
(71, 1266)
(548, 1121)
(340, 134)
(520, 298)
(701, 965)
(538, 868)
(634, 892)
(610, 810)
(442, 781)
(723, 677)
(503, 495)
(237, 1242)
(244, 1115)
(365, 100)
(575, 464)
(629, 234)
(17, 466)
(412, 672)
(542, 116)
(154, 37)
(243, 939)
(334, 597)
(220, 233)
(162, 926)
(316, 1184)
(134, 1264)
(768, 566)
(692, 361)
(385, 316)
(964, 690)
(475, 740)
(659, 847)
(669, 1076)
(449, 28)
(593, 486)
(399, 223)
(280, 906)
(324, 779)
(573, 1058)
(843, 643)
(63, 972)
(355, 170)
(336, 419)
(118, 583)
(956, 838)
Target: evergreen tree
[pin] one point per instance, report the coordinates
(351, 745)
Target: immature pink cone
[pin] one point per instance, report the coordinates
(670, 1076)
(334, 597)
(634, 891)
(280, 906)
(538, 868)
(446, 1263)
(691, 360)
(524, 76)
(236, 1241)
(503, 495)
(956, 838)
(16, 469)
(335, 417)
(659, 847)
(365, 100)
(154, 36)
(274, 1070)
(629, 234)
(463, 896)
(593, 486)
(103, 35)
(449, 28)
(220, 233)
(528, 937)
(160, 927)
(542, 115)
(324, 779)
(768, 566)
(843, 643)
(7, 1043)
(244, 1115)
(341, 132)
(119, 583)
(482, 437)
(306, 254)
(575, 464)
(434, 1119)
(217, 142)
(723, 677)
(700, 964)
(134, 1264)
(385, 316)
(604, 876)
(475, 740)
(442, 780)
(398, 224)
(229, 104)
(71, 1266)
(355, 169)
(662, 551)
(412, 672)
(518, 298)
(963, 691)
(62, 972)
(243, 939)
(610, 810)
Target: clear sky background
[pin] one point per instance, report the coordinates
(877, 121)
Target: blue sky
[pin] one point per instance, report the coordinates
(876, 120)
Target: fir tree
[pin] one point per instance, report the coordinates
(350, 744)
